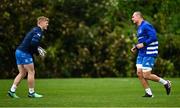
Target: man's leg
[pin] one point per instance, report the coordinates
(31, 73)
(31, 80)
(20, 76)
(17, 80)
(144, 83)
(147, 75)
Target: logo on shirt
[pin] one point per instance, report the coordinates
(139, 31)
(39, 35)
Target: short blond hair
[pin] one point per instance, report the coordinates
(42, 18)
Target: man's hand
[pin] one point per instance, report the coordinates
(42, 52)
(134, 49)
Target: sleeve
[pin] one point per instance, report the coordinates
(36, 39)
(151, 35)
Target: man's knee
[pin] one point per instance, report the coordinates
(146, 72)
(146, 75)
(31, 72)
(22, 74)
(140, 74)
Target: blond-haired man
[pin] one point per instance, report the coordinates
(24, 57)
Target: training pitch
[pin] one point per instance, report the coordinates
(88, 92)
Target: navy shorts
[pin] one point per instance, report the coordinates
(23, 57)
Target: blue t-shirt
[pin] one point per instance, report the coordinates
(147, 34)
(31, 41)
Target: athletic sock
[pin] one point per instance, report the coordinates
(162, 81)
(13, 88)
(31, 90)
(148, 90)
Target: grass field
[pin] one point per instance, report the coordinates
(102, 92)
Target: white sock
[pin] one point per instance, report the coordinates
(162, 81)
(13, 88)
(148, 90)
(31, 90)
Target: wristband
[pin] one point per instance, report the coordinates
(144, 43)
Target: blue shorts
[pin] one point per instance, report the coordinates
(23, 57)
(146, 63)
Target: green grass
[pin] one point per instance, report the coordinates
(107, 92)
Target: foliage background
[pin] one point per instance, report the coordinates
(89, 38)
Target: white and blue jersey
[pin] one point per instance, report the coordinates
(24, 52)
(146, 34)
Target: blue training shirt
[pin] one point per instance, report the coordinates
(31, 41)
(147, 34)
